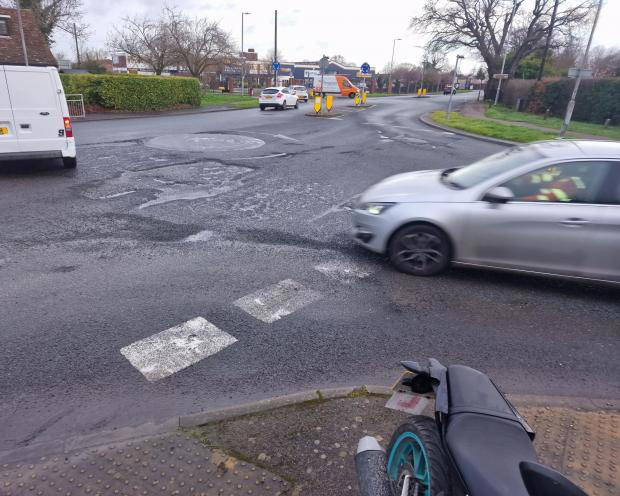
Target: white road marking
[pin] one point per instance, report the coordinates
(345, 205)
(199, 236)
(174, 349)
(335, 118)
(278, 300)
(282, 136)
(116, 195)
(262, 156)
(448, 133)
(344, 271)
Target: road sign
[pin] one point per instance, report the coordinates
(501, 76)
(276, 66)
(365, 68)
(311, 73)
(362, 75)
(573, 72)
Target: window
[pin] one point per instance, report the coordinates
(4, 27)
(285, 90)
(570, 182)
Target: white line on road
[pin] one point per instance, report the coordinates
(282, 136)
(278, 300)
(345, 271)
(174, 349)
(116, 195)
(262, 156)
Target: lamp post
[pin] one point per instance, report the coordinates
(499, 83)
(242, 54)
(571, 103)
(392, 65)
(453, 83)
(21, 30)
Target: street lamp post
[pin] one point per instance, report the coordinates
(456, 66)
(242, 54)
(571, 104)
(499, 82)
(392, 65)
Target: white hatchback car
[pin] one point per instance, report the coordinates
(301, 92)
(278, 97)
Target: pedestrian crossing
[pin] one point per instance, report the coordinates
(172, 350)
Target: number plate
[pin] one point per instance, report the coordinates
(267, 97)
(4, 130)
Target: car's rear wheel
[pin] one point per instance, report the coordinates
(262, 107)
(420, 250)
(69, 162)
(296, 105)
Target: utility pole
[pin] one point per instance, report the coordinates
(456, 67)
(571, 104)
(499, 83)
(21, 31)
(548, 42)
(392, 65)
(275, 52)
(242, 53)
(77, 48)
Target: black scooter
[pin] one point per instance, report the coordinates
(477, 444)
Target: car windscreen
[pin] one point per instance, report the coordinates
(299, 88)
(270, 91)
(493, 165)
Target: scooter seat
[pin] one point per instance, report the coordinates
(487, 451)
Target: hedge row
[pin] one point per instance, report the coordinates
(597, 99)
(132, 92)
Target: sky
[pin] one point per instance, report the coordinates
(307, 29)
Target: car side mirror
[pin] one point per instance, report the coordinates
(543, 481)
(499, 194)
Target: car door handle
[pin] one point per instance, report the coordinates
(574, 222)
(44, 113)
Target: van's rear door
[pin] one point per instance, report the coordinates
(8, 137)
(38, 116)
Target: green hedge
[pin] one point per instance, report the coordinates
(132, 92)
(597, 99)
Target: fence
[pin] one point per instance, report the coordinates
(75, 102)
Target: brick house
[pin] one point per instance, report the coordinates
(11, 52)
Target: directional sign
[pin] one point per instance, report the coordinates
(363, 75)
(276, 66)
(310, 73)
(501, 76)
(365, 68)
(573, 72)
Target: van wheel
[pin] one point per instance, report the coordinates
(351, 95)
(69, 162)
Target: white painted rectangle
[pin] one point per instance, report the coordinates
(344, 271)
(412, 404)
(174, 349)
(278, 300)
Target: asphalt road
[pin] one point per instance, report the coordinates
(172, 218)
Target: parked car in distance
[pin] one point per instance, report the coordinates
(551, 207)
(448, 88)
(278, 97)
(301, 92)
(34, 116)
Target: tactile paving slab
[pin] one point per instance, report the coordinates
(583, 445)
(173, 464)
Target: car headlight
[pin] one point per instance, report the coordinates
(375, 208)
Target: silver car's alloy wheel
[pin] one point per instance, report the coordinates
(420, 250)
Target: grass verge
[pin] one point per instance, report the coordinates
(507, 114)
(228, 100)
(490, 128)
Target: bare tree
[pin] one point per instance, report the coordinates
(199, 43)
(491, 27)
(54, 14)
(605, 62)
(144, 40)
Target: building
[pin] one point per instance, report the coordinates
(11, 49)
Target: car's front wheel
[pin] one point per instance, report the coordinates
(420, 250)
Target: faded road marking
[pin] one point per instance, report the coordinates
(278, 300)
(345, 271)
(261, 156)
(174, 349)
(116, 195)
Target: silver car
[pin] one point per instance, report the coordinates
(550, 207)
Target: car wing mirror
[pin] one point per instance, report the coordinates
(543, 481)
(499, 194)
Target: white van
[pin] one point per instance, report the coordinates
(34, 117)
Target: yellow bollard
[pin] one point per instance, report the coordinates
(364, 96)
(357, 99)
(419, 92)
(424, 92)
(311, 93)
(318, 103)
(329, 102)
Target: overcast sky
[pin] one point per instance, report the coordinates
(307, 29)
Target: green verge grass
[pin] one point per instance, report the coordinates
(507, 114)
(228, 100)
(490, 128)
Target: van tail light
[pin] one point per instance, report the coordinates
(279, 95)
(68, 127)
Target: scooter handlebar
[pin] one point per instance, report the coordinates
(370, 465)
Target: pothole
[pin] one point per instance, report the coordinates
(207, 142)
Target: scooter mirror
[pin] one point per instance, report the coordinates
(542, 481)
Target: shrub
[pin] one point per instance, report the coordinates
(515, 89)
(132, 92)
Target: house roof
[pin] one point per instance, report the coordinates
(11, 51)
